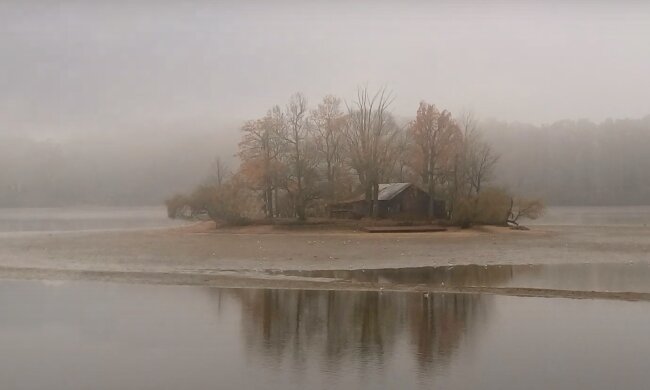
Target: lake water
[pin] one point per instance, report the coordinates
(600, 277)
(83, 219)
(91, 335)
(76, 335)
(594, 216)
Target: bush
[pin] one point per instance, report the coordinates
(463, 213)
(175, 204)
(490, 207)
(493, 207)
(227, 204)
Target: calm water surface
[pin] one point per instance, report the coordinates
(82, 219)
(601, 277)
(594, 216)
(73, 335)
(78, 335)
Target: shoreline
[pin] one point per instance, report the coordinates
(208, 227)
(266, 281)
(198, 254)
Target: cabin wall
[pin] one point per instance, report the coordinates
(412, 203)
(350, 210)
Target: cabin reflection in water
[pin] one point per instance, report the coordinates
(336, 327)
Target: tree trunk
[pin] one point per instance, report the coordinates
(431, 209)
(375, 200)
(511, 218)
(300, 204)
(369, 198)
(275, 202)
(268, 202)
(330, 181)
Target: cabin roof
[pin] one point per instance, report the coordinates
(390, 190)
(387, 191)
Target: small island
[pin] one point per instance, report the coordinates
(330, 165)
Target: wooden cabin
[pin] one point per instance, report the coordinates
(396, 201)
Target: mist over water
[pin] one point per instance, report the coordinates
(17, 220)
(129, 104)
(637, 216)
(107, 109)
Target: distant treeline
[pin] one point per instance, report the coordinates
(566, 163)
(109, 169)
(575, 162)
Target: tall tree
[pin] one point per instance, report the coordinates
(473, 166)
(481, 163)
(259, 150)
(370, 133)
(295, 137)
(403, 146)
(461, 180)
(434, 134)
(479, 159)
(327, 127)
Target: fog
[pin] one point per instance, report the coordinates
(128, 102)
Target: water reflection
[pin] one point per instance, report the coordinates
(72, 335)
(357, 326)
(456, 276)
(606, 277)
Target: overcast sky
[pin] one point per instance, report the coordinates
(124, 66)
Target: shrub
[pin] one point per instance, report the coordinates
(175, 204)
(490, 207)
(228, 203)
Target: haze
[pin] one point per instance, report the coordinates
(133, 71)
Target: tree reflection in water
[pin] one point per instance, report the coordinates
(339, 327)
(445, 276)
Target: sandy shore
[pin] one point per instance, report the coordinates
(199, 254)
(200, 249)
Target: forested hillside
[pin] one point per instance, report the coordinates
(575, 162)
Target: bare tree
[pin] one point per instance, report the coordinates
(219, 172)
(370, 133)
(524, 208)
(402, 151)
(327, 128)
(476, 160)
(468, 123)
(481, 164)
(295, 135)
(461, 181)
